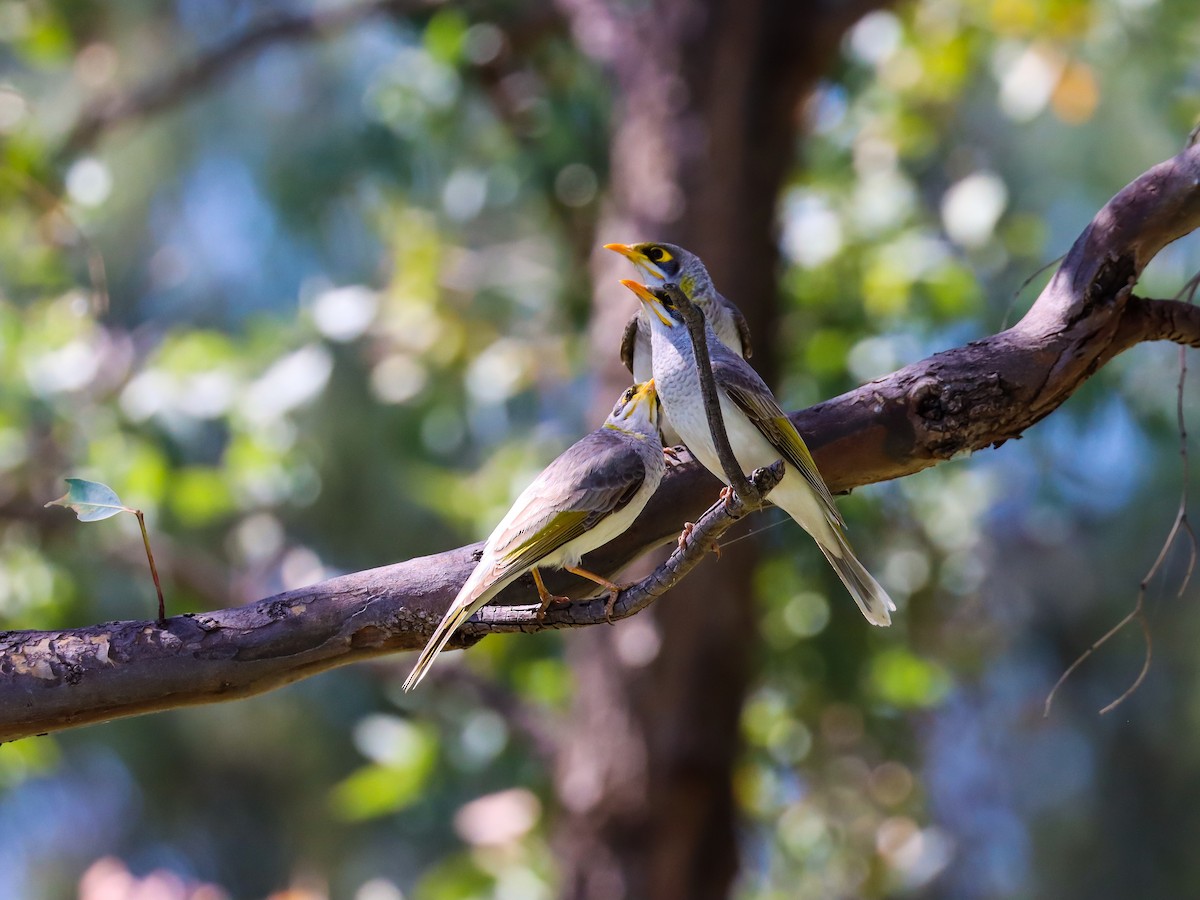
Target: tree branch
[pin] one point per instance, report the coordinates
(694, 319)
(959, 400)
(162, 92)
(55, 680)
(1156, 320)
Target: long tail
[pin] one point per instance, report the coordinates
(870, 596)
(472, 596)
(803, 505)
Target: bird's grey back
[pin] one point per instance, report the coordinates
(598, 474)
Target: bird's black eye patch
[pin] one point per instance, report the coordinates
(657, 254)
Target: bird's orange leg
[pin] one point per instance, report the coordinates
(546, 597)
(613, 588)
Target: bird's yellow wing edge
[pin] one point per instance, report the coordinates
(563, 527)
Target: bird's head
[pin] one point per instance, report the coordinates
(658, 302)
(659, 263)
(639, 402)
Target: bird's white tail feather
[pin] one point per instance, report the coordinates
(473, 595)
(870, 596)
(799, 502)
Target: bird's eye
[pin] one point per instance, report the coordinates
(658, 255)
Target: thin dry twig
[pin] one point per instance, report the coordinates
(1012, 303)
(1181, 524)
(162, 613)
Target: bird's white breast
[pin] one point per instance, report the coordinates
(679, 388)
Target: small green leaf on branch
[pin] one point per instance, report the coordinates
(91, 500)
(95, 502)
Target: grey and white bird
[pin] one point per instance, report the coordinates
(586, 497)
(661, 263)
(759, 433)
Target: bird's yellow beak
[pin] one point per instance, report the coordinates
(639, 259)
(645, 391)
(651, 302)
(647, 394)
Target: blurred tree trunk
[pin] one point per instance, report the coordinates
(704, 135)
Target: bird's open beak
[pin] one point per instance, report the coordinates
(646, 391)
(649, 395)
(652, 303)
(639, 259)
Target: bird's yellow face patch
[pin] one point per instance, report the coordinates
(639, 396)
(626, 399)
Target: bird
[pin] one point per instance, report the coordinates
(586, 497)
(660, 263)
(759, 433)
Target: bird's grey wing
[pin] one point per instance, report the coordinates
(629, 341)
(752, 396)
(742, 326)
(591, 480)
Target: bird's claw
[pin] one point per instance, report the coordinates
(685, 534)
(546, 601)
(671, 455)
(727, 496)
(610, 605)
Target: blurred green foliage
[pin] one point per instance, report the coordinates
(342, 323)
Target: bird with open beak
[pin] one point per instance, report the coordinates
(657, 264)
(759, 433)
(586, 497)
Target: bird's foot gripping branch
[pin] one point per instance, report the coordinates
(690, 549)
